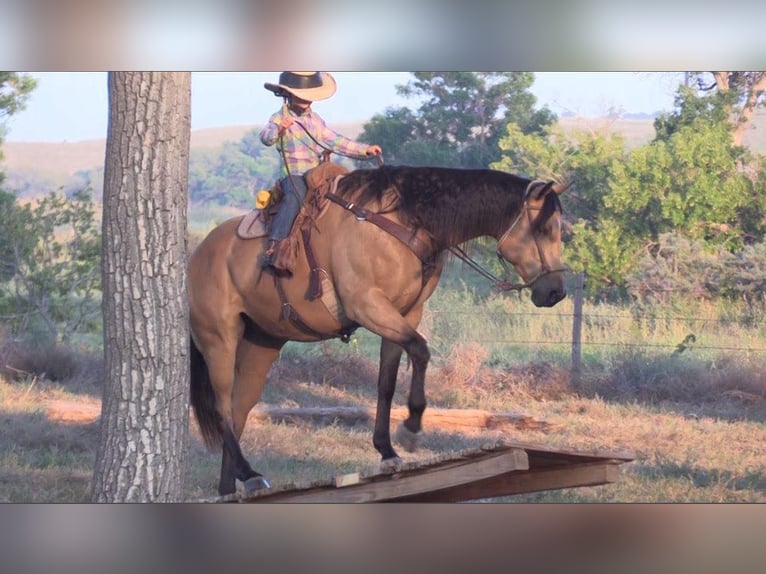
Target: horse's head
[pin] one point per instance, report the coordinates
(532, 243)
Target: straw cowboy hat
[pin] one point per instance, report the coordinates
(309, 86)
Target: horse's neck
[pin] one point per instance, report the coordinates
(488, 213)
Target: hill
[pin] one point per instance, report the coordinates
(67, 158)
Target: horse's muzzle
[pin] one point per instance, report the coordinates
(548, 297)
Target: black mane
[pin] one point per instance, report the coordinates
(453, 205)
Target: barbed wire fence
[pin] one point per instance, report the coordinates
(582, 330)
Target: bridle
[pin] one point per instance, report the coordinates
(504, 284)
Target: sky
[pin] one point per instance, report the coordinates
(73, 106)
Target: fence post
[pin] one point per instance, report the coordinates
(577, 329)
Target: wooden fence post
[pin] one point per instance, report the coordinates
(577, 329)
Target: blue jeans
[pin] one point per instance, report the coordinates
(293, 194)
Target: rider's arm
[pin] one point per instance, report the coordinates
(270, 134)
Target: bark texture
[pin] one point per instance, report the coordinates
(142, 453)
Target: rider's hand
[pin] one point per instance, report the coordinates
(373, 150)
(286, 122)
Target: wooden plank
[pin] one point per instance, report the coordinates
(457, 476)
(538, 452)
(380, 488)
(552, 478)
(347, 479)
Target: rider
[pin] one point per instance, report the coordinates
(302, 137)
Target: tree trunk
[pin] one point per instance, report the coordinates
(752, 90)
(756, 87)
(142, 453)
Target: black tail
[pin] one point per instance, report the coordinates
(203, 400)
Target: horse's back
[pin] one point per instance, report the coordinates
(211, 282)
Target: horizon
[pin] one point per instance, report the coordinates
(82, 113)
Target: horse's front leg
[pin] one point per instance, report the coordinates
(374, 311)
(407, 434)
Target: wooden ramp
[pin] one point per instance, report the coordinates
(500, 469)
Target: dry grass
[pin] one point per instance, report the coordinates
(698, 433)
(684, 451)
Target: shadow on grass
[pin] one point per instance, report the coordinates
(703, 477)
(730, 406)
(45, 461)
(725, 388)
(329, 381)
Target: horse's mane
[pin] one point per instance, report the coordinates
(451, 204)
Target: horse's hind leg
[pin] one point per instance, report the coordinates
(253, 364)
(220, 361)
(219, 350)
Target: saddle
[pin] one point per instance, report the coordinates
(257, 222)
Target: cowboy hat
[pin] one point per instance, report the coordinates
(309, 86)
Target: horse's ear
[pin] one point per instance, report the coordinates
(539, 189)
(559, 188)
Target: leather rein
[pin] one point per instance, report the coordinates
(504, 284)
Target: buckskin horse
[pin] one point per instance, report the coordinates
(378, 248)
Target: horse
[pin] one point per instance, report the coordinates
(379, 249)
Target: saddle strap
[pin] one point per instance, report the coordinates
(315, 285)
(289, 313)
(407, 236)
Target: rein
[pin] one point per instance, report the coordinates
(504, 284)
(327, 151)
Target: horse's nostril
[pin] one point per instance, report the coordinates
(555, 296)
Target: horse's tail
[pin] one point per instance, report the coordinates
(203, 400)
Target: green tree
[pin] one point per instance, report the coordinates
(688, 184)
(460, 119)
(49, 265)
(229, 175)
(692, 108)
(687, 181)
(594, 239)
(15, 89)
(741, 93)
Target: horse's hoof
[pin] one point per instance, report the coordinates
(391, 464)
(256, 483)
(408, 439)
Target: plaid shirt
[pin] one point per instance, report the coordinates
(301, 152)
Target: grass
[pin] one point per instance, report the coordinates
(695, 419)
(710, 450)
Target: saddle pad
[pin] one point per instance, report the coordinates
(252, 225)
(330, 298)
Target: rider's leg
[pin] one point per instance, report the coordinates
(294, 192)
